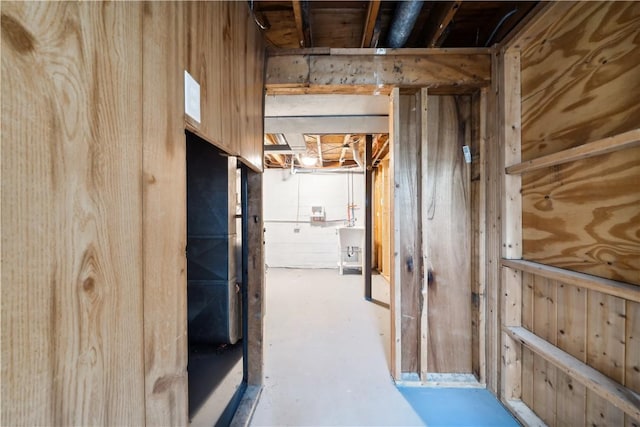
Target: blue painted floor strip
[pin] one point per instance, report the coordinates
(466, 407)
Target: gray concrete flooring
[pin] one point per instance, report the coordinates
(327, 352)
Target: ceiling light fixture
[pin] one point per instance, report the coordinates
(309, 161)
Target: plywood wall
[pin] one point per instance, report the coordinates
(93, 199)
(581, 82)
(580, 73)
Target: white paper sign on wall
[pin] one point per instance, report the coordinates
(191, 97)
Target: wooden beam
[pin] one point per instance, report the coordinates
(255, 277)
(436, 39)
(613, 392)
(450, 71)
(618, 142)
(511, 280)
(424, 218)
(326, 125)
(370, 23)
(297, 15)
(368, 221)
(319, 142)
(581, 280)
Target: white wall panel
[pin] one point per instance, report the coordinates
(288, 199)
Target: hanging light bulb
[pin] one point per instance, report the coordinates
(309, 161)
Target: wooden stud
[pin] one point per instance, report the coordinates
(297, 14)
(509, 108)
(424, 313)
(370, 23)
(407, 213)
(449, 11)
(256, 280)
(368, 222)
(395, 219)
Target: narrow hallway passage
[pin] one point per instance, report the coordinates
(326, 352)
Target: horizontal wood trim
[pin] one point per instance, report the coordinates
(582, 280)
(454, 71)
(601, 146)
(617, 394)
(523, 413)
(326, 125)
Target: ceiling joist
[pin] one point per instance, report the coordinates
(370, 23)
(447, 12)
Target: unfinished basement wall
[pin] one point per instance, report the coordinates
(93, 201)
(577, 293)
(291, 238)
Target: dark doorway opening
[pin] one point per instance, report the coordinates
(215, 291)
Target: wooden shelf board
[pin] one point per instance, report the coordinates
(582, 280)
(601, 146)
(617, 394)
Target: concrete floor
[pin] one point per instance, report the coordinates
(326, 361)
(326, 354)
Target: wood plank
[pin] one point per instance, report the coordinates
(571, 401)
(255, 279)
(595, 381)
(394, 249)
(511, 283)
(619, 142)
(528, 281)
(544, 389)
(545, 309)
(600, 413)
(524, 413)
(572, 320)
(606, 334)
(370, 23)
(382, 51)
(448, 219)
(449, 9)
(164, 216)
(71, 300)
(437, 71)
(494, 230)
(297, 15)
(582, 280)
(424, 262)
(478, 224)
(407, 163)
(581, 76)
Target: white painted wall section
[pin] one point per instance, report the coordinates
(288, 199)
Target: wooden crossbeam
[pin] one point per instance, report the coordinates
(454, 71)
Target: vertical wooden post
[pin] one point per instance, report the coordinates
(510, 117)
(394, 220)
(424, 314)
(255, 279)
(368, 222)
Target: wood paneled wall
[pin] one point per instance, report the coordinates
(93, 199)
(581, 82)
(72, 331)
(225, 54)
